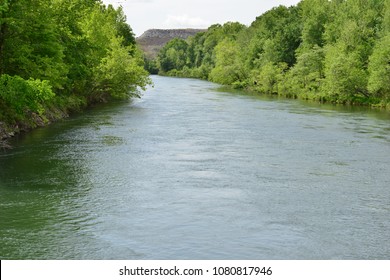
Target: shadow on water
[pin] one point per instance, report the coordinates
(193, 172)
(356, 118)
(307, 106)
(44, 185)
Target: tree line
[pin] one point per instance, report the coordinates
(61, 55)
(336, 51)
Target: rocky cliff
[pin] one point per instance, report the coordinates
(153, 40)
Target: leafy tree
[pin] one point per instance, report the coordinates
(350, 41)
(227, 70)
(30, 43)
(278, 35)
(269, 77)
(123, 29)
(379, 69)
(173, 55)
(4, 6)
(151, 66)
(345, 75)
(326, 50)
(21, 95)
(195, 51)
(379, 61)
(64, 53)
(315, 15)
(119, 75)
(386, 18)
(308, 73)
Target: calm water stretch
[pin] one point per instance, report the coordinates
(193, 172)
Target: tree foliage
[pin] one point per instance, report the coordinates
(20, 94)
(59, 51)
(173, 55)
(227, 68)
(336, 50)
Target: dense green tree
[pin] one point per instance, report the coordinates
(386, 18)
(278, 35)
(345, 77)
(4, 6)
(123, 29)
(118, 75)
(350, 40)
(195, 51)
(151, 66)
(379, 62)
(315, 15)
(64, 53)
(20, 95)
(268, 78)
(227, 70)
(30, 45)
(173, 55)
(201, 53)
(325, 50)
(379, 69)
(68, 15)
(307, 75)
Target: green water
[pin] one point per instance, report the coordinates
(193, 172)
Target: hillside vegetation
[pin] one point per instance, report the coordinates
(57, 56)
(336, 51)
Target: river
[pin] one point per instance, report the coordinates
(190, 171)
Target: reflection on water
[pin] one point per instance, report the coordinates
(193, 172)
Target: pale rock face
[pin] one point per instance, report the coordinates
(153, 40)
(170, 33)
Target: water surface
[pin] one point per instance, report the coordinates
(192, 172)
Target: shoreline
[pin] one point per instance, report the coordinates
(313, 97)
(55, 114)
(8, 131)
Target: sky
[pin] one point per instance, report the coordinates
(166, 14)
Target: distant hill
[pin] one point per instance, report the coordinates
(153, 40)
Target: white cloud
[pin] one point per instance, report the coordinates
(185, 21)
(147, 14)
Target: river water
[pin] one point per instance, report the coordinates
(190, 171)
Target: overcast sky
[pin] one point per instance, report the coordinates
(147, 14)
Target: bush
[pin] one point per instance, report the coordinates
(20, 95)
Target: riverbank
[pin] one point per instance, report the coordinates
(30, 122)
(60, 108)
(3, 135)
(201, 165)
(359, 101)
(75, 65)
(341, 59)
